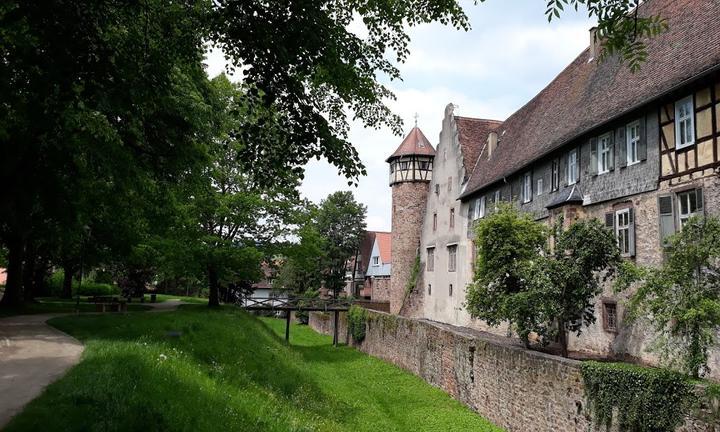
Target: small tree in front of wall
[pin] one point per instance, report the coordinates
(537, 290)
(681, 298)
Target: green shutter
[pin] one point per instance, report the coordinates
(666, 212)
(631, 234)
(621, 147)
(699, 196)
(593, 156)
(642, 144)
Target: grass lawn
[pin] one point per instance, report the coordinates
(231, 371)
(57, 305)
(164, 297)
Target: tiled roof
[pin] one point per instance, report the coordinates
(415, 143)
(568, 195)
(472, 135)
(384, 240)
(588, 94)
(366, 249)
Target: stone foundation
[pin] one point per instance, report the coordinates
(517, 389)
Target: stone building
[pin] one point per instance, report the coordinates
(371, 268)
(639, 151)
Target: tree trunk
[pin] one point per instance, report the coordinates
(13, 284)
(214, 300)
(67, 281)
(562, 336)
(353, 289)
(28, 274)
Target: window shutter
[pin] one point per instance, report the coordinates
(532, 180)
(612, 152)
(610, 221)
(622, 147)
(699, 195)
(564, 170)
(593, 156)
(642, 144)
(470, 223)
(667, 217)
(631, 234)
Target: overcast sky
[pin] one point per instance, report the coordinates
(509, 55)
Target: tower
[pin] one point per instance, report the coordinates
(410, 176)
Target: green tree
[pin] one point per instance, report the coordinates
(509, 246)
(681, 298)
(340, 221)
(537, 289)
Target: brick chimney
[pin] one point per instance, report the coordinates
(492, 142)
(594, 44)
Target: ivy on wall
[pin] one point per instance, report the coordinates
(357, 318)
(645, 399)
(414, 274)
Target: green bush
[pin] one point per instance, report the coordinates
(357, 318)
(647, 399)
(88, 287)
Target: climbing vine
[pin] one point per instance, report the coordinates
(647, 400)
(414, 274)
(357, 317)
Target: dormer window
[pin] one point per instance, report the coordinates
(375, 261)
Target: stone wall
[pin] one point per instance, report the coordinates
(517, 389)
(380, 289)
(322, 322)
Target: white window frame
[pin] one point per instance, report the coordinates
(688, 119)
(604, 149)
(527, 187)
(555, 175)
(624, 230)
(375, 261)
(632, 142)
(684, 216)
(572, 172)
(539, 186)
(496, 198)
(479, 208)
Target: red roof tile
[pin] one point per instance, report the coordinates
(415, 143)
(472, 135)
(588, 94)
(384, 240)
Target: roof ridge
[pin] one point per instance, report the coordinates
(479, 119)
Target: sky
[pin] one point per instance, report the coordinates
(490, 71)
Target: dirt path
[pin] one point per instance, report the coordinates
(33, 355)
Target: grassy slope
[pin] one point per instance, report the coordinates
(231, 371)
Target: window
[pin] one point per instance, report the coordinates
(684, 123)
(403, 166)
(555, 176)
(479, 208)
(604, 154)
(572, 172)
(429, 289)
(452, 218)
(452, 258)
(450, 290)
(527, 187)
(424, 165)
(434, 221)
(632, 135)
(497, 199)
(449, 184)
(539, 186)
(376, 261)
(431, 259)
(437, 188)
(610, 316)
(622, 223)
(688, 205)
(622, 231)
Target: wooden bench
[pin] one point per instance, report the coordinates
(108, 304)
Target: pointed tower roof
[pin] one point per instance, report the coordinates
(415, 143)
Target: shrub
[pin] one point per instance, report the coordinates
(88, 287)
(357, 318)
(646, 399)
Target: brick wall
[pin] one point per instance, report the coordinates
(517, 389)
